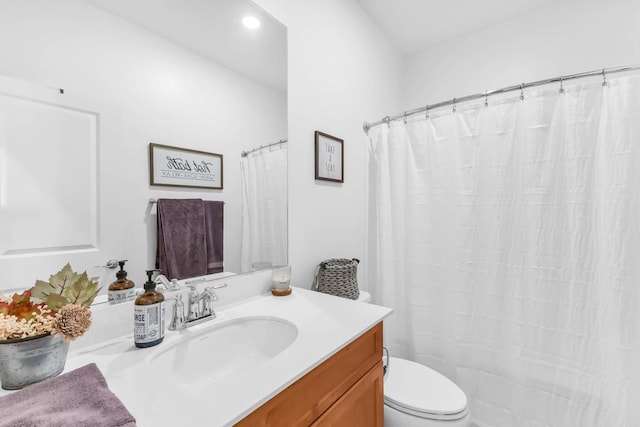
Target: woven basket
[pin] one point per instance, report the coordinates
(339, 277)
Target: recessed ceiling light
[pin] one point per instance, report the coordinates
(251, 22)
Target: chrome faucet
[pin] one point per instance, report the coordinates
(199, 307)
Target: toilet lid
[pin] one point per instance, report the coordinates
(413, 388)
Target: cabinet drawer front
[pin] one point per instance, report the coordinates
(361, 406)
(304, 401)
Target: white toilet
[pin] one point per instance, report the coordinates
(416, 396)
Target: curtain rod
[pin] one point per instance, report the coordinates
(603, 72)
(246, 153)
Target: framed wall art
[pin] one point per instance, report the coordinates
(182, 167)
(329, 157)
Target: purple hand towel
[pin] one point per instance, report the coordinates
(214, 220)
(182, 250)
(80, 398)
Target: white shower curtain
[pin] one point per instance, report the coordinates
(264, 208)
(505, 238)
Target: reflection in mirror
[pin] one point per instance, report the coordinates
(264, 206)
(87, 85)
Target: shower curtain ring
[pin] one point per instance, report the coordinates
(522, 92)
(426, 116)
(387, 120)
(605, 83)
(561, 90)
(455, 107)
(405, 117)
(486, 98)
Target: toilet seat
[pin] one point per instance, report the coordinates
(417, 390)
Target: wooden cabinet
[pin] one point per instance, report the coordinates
(361, 406)
(345, 390)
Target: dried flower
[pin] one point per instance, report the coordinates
(14, 327)
(58, 306)
(72, 321)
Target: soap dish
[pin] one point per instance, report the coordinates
(281, 292)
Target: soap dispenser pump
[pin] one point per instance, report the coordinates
(149, 315)
(122, 288)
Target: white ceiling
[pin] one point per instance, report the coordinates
(414, 25)
(213, 29)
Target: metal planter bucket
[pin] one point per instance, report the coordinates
(30, 360)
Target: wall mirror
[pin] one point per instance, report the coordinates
(87, 85)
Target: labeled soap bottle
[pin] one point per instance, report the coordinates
(149, 315)
(122, 288)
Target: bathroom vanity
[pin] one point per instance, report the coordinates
(304, 359)
(346, 388)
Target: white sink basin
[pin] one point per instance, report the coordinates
(224, 349)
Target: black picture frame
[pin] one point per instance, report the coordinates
(183, 167)
(329, 157)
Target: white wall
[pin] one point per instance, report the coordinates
(564, 37)
(342, 72)
(153, 91)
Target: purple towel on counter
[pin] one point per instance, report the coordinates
(80, 398)
(214, 221)
(182, 250)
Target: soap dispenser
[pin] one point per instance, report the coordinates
(122, 288)
(149, 315)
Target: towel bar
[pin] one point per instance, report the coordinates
(154, 201)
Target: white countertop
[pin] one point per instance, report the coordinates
(325, 324)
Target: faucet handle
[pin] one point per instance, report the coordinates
(177, 318)
(208, 298)
(211, 293)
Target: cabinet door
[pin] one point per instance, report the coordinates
(361, 406)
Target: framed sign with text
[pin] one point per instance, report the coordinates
(329, 157)
(181, 167)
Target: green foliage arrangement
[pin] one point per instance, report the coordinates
(66, 287)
